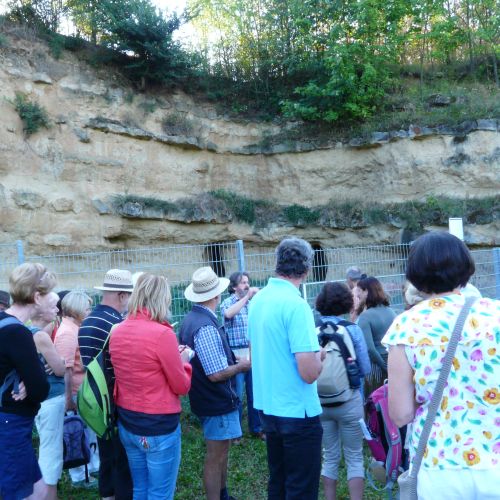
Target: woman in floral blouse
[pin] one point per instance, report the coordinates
(462, 458)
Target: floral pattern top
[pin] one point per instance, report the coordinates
(466, 431)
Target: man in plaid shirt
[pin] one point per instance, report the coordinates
(235, 312)
(212, 396)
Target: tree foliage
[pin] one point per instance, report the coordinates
(327, 60)
(335, 59)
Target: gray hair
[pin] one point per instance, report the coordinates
(294, 257)
(75, 305)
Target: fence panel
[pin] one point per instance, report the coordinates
(485, 278)
(11, 254)
(386, 262)
(85, 270)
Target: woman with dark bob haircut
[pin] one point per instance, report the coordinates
(341, 430)
(439, 262)
(462, 454)
(375, 317)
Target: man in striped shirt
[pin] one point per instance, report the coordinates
(114, 474)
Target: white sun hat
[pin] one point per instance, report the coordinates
(136, 276)
(117, 280)
(205, 285)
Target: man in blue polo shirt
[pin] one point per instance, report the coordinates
(286, 361)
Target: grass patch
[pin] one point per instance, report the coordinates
(408, 105)
(33, 115)
(301, 216)
(177, 124)
(241, 207)
(136, 205)
(228, 206)
(247, 470)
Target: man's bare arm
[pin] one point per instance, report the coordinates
(242, 365)
(309, 365)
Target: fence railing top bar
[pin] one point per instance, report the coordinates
(180, 246)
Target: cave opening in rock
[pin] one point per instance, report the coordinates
(213, 255)
(320, 262)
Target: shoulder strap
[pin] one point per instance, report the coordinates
(438, 390)
(11, 320)
(12, 378)
(345, 323)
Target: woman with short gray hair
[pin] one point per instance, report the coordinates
(76, 306)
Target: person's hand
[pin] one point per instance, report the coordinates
(243, 363)
(322, 354)
(70, 405)
(186, 353)
(252, 291)
(48, 369)
(21, 394)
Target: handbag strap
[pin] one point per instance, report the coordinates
(438, 391)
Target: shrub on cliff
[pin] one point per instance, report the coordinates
(137, 31)
(31, 113)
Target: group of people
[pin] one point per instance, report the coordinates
(266, 346)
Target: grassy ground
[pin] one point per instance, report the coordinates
(247, 478)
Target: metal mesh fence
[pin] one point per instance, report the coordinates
(86, 270)
(9, 259)
(386, 262)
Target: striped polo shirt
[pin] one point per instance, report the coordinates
(94, 331)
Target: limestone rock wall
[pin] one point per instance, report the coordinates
(57, 186)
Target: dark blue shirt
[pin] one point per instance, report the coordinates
(147, 424)
(93, 333)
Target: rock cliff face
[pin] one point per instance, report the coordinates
(57, 186)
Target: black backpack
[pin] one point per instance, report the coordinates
(76, 449)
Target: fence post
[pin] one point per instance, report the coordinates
(240, 252)
(20, 252)
(496, 268)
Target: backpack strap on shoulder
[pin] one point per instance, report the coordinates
(12, 378)
(346, 323)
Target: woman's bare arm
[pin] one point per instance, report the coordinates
(402, 404)
(46, 348)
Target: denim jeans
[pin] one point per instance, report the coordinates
(154, 463)
(19, 469)
(293, 456)
(245, 379)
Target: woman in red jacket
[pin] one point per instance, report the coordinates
(151, 372)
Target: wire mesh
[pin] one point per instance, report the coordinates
(178, 262)
(8, 261)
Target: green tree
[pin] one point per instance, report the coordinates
(45, 14)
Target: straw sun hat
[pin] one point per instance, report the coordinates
(205, 285)
(117, 280)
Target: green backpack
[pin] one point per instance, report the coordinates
(94, 401)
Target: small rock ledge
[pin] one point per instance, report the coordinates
(376, 139)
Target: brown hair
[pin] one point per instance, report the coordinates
(29, 278)
(334, 299)
(376, 295)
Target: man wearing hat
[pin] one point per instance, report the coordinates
(4, 300)
(213, 390)
(114, 474)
